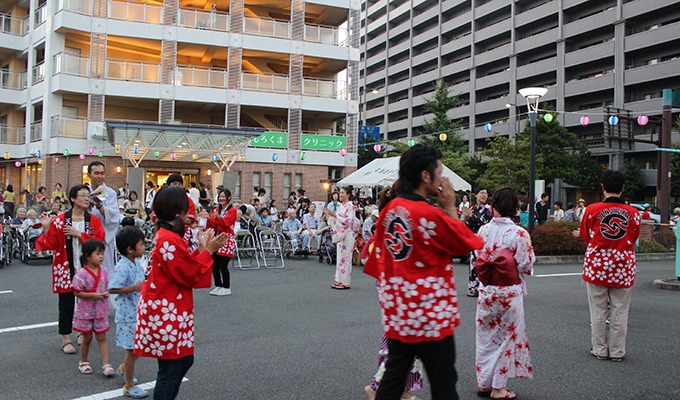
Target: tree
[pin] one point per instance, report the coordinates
(675, 172)
(507, 165)
(635, 180)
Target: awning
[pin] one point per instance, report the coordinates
(384, 171)
(137, 141)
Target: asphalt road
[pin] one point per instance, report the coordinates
(284, 334)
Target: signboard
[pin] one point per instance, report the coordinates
(271, 139)
(369, 134)
(321, 142)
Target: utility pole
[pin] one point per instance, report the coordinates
(664, 158)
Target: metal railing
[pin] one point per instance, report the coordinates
(326, 34)
(10, 134)
(71, 64)
(12, 80)
(264, 82)
(41, 15)
(38, 72)
(138, 12)
(13, 25)
(77, 6)
(200, 76)
(135, 71)
(36, 131)
(320, 88)
(267, 27)
(203, 19)
(69, 127)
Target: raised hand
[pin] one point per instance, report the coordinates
(216, 242)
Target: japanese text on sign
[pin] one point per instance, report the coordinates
(271, 139)
(321, 142)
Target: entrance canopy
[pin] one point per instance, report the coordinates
(384, 171)
(137, 141)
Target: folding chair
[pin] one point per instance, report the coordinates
(271, 248)
(246, 248)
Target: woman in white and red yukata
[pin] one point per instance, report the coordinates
(165, 314)
(222, 219)
(343, 236)
(65, 234)
(502, 345)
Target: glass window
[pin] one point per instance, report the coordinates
(286, 185)
(237, 189)
(268, 184)
(256, 180)
(298, 181)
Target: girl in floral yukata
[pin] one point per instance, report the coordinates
(165, 314)
(502, 345)
(90, 285)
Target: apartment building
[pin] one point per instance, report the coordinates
(589, 54)
(79, 77)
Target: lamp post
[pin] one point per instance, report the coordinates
(532, 95)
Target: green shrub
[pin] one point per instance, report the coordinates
(665, 237)
(557, 239)
(646, 246)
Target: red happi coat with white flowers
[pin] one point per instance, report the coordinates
(165, 314)
(610, 230)
(55, 240)
(414, 244)
(224, 223)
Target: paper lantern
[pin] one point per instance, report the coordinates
(377, 148)
(38, 153)
(214, 158)
(442, 137)
(136, 150)
(342, 152)
(303, 155)
(613, 120)
(194, 156)
(156, 153)
(173, 156)
(56, 160)
(7, 155)
(488, 127)
(90, 150)
(585, 120)
(17, 164)
(642, 120)
(117, 149)
(548, 118)
(82, 156)
(411, 142)
(275, 157)
(66, 153)
(100, 154)
(40, 162)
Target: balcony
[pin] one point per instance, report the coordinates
(136, 12)
(36, 131)
(600, 82)
(10, 134)
(322, 88)
(69, 127)
(326, 35)
(38, 72)
(271, 83)
(663, 34)
(647, 73)
(12, 25)
(71, 64)
(204, 19)
(77, 6)
(12, 80)
(133, 71)
(267, 27)
(201, 77)
(41, 15)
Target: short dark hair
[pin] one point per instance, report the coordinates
(10, 188)
(413, 162)
(479, 189)
(94, 164)
(192, 184)
(570, 205)
(524, 207)
(73, 192)
(127, 221)
(168, 204)
(89, 247)
(175, 178)
(262, 191)
(128, 237)
(558, 203)
(544, 195)
(149, 183)
(505, 201)
(612, 181)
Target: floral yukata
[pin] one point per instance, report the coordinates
(91, 314)
(343, 235)
(165, 315)
(502, 345)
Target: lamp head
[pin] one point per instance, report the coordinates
(533, 95)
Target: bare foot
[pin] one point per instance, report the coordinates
(502, 394)
(370, 393)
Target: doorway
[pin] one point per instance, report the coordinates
(160, 175)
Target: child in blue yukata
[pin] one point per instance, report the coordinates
(126, 282)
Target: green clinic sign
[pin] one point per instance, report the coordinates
(322, 142)
(271, 139)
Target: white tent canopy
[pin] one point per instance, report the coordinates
(384, 171)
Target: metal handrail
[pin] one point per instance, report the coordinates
(200, 76)
(41, 15)
(69, 127)
(264, 82)
(203, 19)
(12, 25)
(71, 64)
(12, 134)
(267, 27)
(135, 71)
(38, 72)
(138, 12)
(12, 80)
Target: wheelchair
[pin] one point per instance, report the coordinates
(6, 244)
(288, 246)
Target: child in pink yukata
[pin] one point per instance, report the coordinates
(91, 314)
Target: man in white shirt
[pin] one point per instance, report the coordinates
(311, 223)
(122, 194)
(194, 193)
(150, 194)
(368, 223)
(105, 207)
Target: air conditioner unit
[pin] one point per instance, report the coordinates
(96, 130)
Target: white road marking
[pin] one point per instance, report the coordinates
(5, 291)
(112, 394)
(27, 327)
(564, 274)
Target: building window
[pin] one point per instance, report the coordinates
(268, 184)
(298, 181)
(286, 185)
(256, 180)
(237, 188)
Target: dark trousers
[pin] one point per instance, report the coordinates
(170, 375)
(220, 271)
(67, 302)
(438, 357)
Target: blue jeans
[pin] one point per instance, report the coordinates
(170, 375)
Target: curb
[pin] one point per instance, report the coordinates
(554, 260)
(667, 284)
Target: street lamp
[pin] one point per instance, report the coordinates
(532, 95)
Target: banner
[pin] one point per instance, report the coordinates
(321, 142)
(271, 139)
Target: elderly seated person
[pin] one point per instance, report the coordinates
(17, 221)
(312, 223)
(294, 229)
(368, 224)
(29, 224)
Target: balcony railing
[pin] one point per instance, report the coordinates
(326, 34)
(39, 72)
(135, 71)
(10, 134)
(264, 82)
(69, 127)
(198, 76)
(13, 25)
(12, 80)
(138, 12)
(267, 27)
(320, 88)
(71, 64)
(41, 15)
(76, 6)
(204, 19)
(36, 131)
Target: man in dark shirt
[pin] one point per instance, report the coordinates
(203, 196)
(543, 208)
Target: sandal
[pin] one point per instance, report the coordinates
(508, 395)
(84, 367)
(68, 348)
(616, 359)
(472, 293)
(340, 287)
(108, 370)
(484, 392)
(601, 358)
